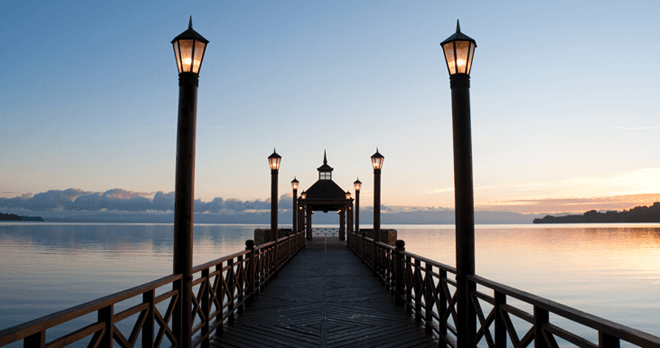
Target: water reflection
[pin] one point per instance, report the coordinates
(50, 267)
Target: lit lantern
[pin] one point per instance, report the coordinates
(189, 48)
(274, 161)
(357, 184)
(459, 52)
(377, 160)
(294, 183)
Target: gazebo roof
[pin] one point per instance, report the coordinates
(325, 189)
(325, 194)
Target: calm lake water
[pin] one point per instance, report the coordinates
(612, 271)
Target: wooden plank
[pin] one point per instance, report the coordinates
(325, 297)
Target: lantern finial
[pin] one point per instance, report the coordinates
(325, 158)
(458, 26)
(190, 23)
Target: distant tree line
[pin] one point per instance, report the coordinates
(637, 214)
(14, 217)
(10, 217)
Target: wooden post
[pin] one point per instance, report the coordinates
(428, 298)
(500, 329)
(149, 297)
(220, 294)
(442, 311)
(106, 315)
(410, 285)
(249, 245)
(607, 341)
(399, 269)
(206, 305)
(37, 340)
(418, 290)
(541, 317)
(231, 287)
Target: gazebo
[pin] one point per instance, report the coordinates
(325, 195)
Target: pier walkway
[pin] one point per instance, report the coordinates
(325, 297)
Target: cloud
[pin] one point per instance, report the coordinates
(121, 200)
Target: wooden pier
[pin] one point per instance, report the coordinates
(325, 297)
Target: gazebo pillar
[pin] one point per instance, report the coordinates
(309, 223)
(342, 224)
(350, 218)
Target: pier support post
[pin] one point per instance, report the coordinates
(398, 269)
(249, 245)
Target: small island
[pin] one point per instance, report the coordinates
(14, 217)
(637, 214)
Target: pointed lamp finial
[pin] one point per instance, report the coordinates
(458, 26)
(325, 158)
(190, 23)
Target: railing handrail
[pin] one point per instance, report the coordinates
(629, 334)
(437, 264)
(217, 261)
(26, 329)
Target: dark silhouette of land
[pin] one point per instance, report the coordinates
(637, 214)
(14, 217)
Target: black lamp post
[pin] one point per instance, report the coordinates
(274, 163)
(189, 48)
(349, 212)
(377, 163)
(294, 186)
(357, 185)
(459, 52)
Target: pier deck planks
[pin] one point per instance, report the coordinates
(324, 298)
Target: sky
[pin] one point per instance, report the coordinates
(563, 99)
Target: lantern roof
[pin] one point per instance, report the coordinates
(190, 34)
(458, 36)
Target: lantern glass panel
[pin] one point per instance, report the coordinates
(470, 57)
(358, 186)
(450, 57)
(199, 54)
(274, 163)
(377, 162)
(462, 51)
(294, 185)
(186, 47)
(177, 55)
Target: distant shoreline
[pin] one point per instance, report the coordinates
(635, 215)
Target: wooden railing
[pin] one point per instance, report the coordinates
(423, 286)
(221, 289)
